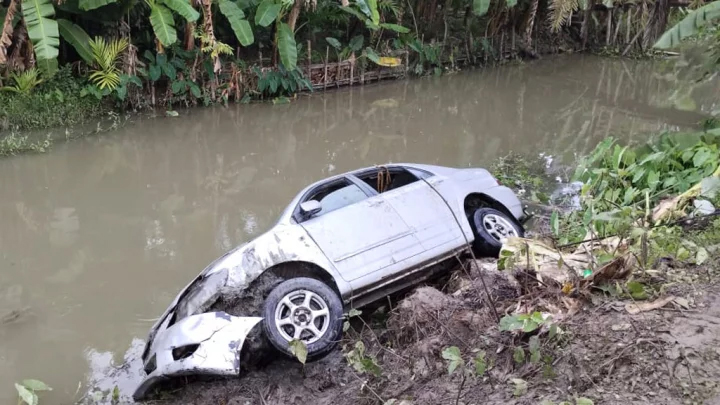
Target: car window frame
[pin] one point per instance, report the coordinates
(369, 192)
(418, 173)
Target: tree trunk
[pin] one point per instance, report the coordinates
(656, 23)
(189, 38)
(530, 23)
(586, 21)
(294, 14)
(7, 30)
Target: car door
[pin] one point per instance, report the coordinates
(358, 231)
(421, 208)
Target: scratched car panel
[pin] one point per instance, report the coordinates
(363, 234)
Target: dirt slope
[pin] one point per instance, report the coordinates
(664, 356)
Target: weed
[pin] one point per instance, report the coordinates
(28, 389)
(14, 144)
(55, 102)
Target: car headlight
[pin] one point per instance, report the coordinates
(201, 294)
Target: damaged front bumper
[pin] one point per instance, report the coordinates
(207, 343)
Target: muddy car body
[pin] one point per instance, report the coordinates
(341, 243)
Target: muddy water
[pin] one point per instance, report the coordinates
(97, 236)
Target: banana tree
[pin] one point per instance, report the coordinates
(690, 25)
(273, 11)
(43, 32)
(367, 12)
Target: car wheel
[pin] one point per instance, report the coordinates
(491, 228)
(304, 309)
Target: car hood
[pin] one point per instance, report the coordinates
(230, 263)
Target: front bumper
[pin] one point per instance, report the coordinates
(207, 343)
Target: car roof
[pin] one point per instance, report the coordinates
(287, 212)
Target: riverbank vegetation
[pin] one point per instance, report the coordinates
(64, 61)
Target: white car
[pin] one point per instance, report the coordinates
(341, 243)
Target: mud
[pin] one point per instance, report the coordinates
(666, 356)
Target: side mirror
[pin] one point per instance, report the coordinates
(310, 208)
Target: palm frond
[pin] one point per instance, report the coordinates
(25, 82)
(106, 56)
(560, 13)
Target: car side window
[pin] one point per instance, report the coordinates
(337, 196)
(383, 180)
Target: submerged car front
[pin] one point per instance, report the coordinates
(193, 336)
(188, 340)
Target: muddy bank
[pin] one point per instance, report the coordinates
(596, 349)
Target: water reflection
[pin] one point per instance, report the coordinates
(97, 236)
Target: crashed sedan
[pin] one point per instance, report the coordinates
(341, 243)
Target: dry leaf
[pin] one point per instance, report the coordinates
(648, 306)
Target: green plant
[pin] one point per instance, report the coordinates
(14, 144)
(622, 184)
(27, 391)
(478, 365)
(281, 82)
(25, 82)
(690, 25)
(299, 350)
(355, 45)
(527, 322)
(55, 102)
(106, 56)
(361, 362)
(43, 32)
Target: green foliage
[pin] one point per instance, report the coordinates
(55, 102)
(520, 386)
(481, 7)
(286, 46)
(106, 56)
(689, 26)
(534, 348)
(27, 391)
(519, 355)
(361, 362)
(43, 32)
(524, 322)
(266, 13)
(13, 144)
(480, 363)
(25, 82)
(183, 8)
(88, 5)
(236, 17)
(636, 290)
(77, 37)
(299, 350)
(622, 184)
(428, 56)
(353, 313)
(281, 82)
(454, 360)
(162, 23)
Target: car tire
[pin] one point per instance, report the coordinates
(490, 226)
(288, 309)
